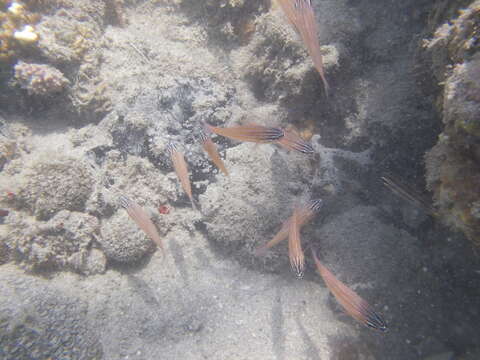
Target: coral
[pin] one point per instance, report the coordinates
(276, 64)
(16, 30)
(40, 80)
(61, 243)
(88, 95)
(229, 20)
(48, 183)
(453, 170)
(122, 241)
(12, 141)
(70, 39)
(88, 263)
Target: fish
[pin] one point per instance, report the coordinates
(181, 169)
(301, 15)
(304, 215)
(250, 133)
(407, 193)
(292, 141)
(142, 219)
(211, 149)
(353, 304)
(295, 252)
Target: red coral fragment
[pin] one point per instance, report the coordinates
(163, 209)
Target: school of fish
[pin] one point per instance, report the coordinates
(301, 15)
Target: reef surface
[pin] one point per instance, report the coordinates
(87, 111)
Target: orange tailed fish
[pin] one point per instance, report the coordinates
(304, 215)
(181, 169)
(141, 218)
(353, 304)
(212, 151)
(252, 133)
(292, 141)
(295, 252)
(301, 16)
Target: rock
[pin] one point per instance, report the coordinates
(443, 356)
(452, 167)
(40, 79)
(122, 241)
(51, 245)
(91, 263)
(38, 321)
(247, 208)
(50, 182)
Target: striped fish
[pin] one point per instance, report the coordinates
(353, 304)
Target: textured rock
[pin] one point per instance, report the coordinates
(247, 208)
(38, 321)
(39, 79)
(48, 183)
(453, 170)
(54, 244)
(122, 241)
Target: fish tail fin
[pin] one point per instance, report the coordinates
(261, 250)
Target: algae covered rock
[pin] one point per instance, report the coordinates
(56, 244)
(247, 208)
(122, 241)
(39, 79)
(50, 183)
(453, 165)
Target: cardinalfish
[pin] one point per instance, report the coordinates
(291, 141)
(295, 252)
(263, 134)
(142, 219)
(407, 193)
(251, 133)
(303, 215)
(353, 304)
(301, 15)
(212, 151)
(181, 169)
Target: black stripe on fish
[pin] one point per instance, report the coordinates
(125, 202)
(316, 205)
(304, 147)
(171, 147)
(273, 134)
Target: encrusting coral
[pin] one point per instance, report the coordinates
(17, 30)
(39, 79)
